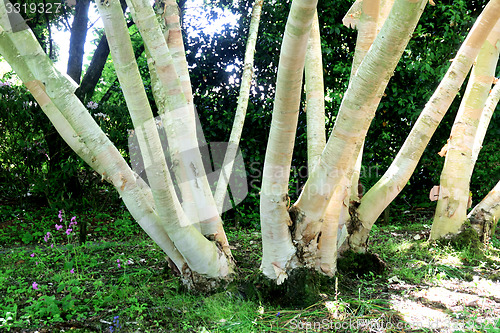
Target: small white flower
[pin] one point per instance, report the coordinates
(92, 105)
(102, 115)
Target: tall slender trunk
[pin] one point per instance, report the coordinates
(395, 178)
(180, 113)
(220, 195)
(367, 17)
(278, 250)
(316, 141)
(331, 177)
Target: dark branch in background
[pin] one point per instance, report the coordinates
(94, 72)
(77, 39)
(138, 52)
(50, 32)
(65, 19)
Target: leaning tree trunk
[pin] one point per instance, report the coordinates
(367, 17)
(203, 258)
(484, 217)
(221, 197)
(396, 177)
(451, 209)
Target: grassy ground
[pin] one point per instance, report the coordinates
(118, 282)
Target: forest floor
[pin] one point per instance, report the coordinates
(118, 281)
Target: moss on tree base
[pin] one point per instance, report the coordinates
(360, 264)
(299, 290)
(467, 238)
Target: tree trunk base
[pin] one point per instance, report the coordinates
(467, 238)
(484, 225)
(200, 284)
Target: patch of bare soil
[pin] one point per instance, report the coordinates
(449, 305)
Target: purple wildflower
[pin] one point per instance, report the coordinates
(51, 246)
(60, 216)
(72, 271)
(35, 285)
(46, 237)
(68, 231)
(116, 321)
(32, 255)
(73, 221)
(58, 227)
(118, 261)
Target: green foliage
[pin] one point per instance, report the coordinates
(36, 166)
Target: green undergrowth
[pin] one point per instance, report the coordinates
(119, 281)
(409, 255)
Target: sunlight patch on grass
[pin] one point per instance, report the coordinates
(404, 246)
(418, 315)
(450, 259)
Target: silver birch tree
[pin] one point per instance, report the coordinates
(189, 229)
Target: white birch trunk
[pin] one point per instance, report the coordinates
(315, 97)
(184, 142)
(331, 177)
(326, 257)
(278, 249)
(451, 209)
(393, 181)
(168, 15)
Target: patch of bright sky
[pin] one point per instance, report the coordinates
(196, 13)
